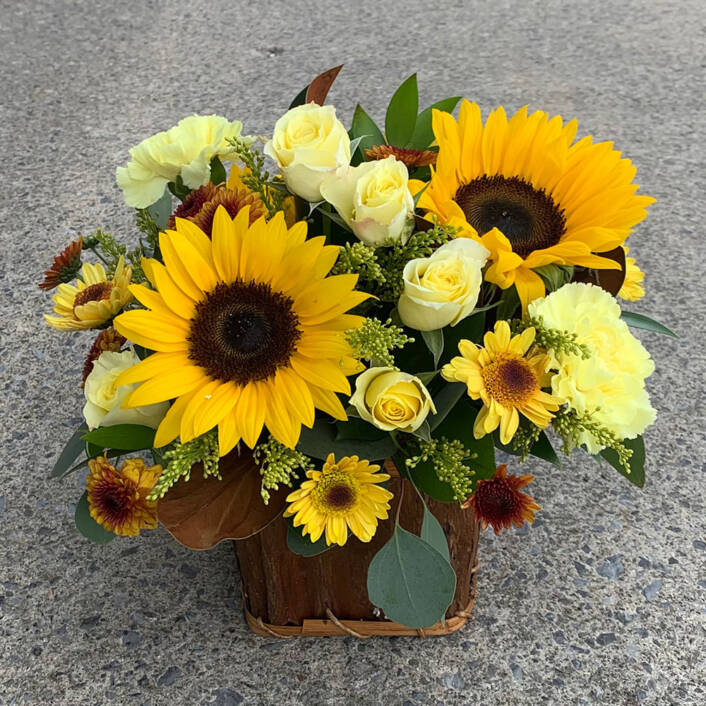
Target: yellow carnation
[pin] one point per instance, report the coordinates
(186, 149)
(610, 385)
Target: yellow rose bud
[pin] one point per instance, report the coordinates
(104, 399)
(309, 143)
(392, 400)
(373, 199)
(185, 150)
(442, 289)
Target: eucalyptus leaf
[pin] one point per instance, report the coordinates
(355, 143)
(411, 581)
(401, 116)
(433, 534)
(74, 447)
(435, 343)
(127, 437)
(646, 323)
(161, 209)
(364, 126)
(87, 526)
(301, 545)
(637, 460)
(423, 134)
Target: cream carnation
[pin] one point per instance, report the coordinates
(610, 385)
(186, 149)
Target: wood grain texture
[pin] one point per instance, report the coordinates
(282, 588)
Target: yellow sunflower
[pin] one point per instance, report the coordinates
(508, 377)
(94, 299)
(342, 496)
(249, 331)
(531, 194)
(632, 289)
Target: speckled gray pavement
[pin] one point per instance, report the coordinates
(600, 602)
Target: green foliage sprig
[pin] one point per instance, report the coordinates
(448, 459)
(524, 439)
(278, 464)
(375, 340)
(570, 425)
(180, 460)
(552, 339)
(358, 258)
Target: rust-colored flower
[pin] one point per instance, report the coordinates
(192, 204)
(65, 266)
(117, 499)
(498, 501)
(234, 201)
(410, 158)
(107, 340)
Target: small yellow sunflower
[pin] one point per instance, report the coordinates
(249, 331)
(94, 300)
(342, 496)
(531, 194)
(632, 289)
(117, 499)
(508, 380)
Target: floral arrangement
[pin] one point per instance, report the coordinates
(301, 318)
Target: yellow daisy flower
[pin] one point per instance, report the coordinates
(93, 300)
(117, 499)
(507, 378)
(249, 331)
(632, 289)
(531, 194)
(342, 496)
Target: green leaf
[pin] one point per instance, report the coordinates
(320, 441)
(637, 460)
(419, 193)
(509, 303)
(411, 581)
(161, 209)
(445, 401)
(426, 378)
(357, 428)
(127, 437)
(471, 328)
(423, 134)
(218, 171)
(555, 276)
(425, 478)
(300, 98)
(433, 534)
(364, 126)
(178, 188)
(301, 545)
(434, 341)
(87, 526)
(93, 450)
(401, 116)
(542, 448)
(645, 322)
(74, 447)
(424, 431)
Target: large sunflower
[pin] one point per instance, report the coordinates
(249, 331)
(531, 194)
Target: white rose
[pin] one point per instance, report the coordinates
(390, 399)
(442, 289)
(104, 399)
(309, 143)
(373, 199)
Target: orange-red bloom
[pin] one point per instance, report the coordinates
(498, 501)
(410, 158)
(65, 266)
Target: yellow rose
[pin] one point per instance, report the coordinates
(308, 143)
(373, 199)
(104, 399)
(442, 289)
(186, 149)
(390, 399)
(610, 385)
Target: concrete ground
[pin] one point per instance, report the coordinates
(600, 602)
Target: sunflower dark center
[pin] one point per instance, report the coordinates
(93, 293)
(528, 217)
(340, 496)
(243, 332)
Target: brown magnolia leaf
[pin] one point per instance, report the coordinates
(320, 86)
(610, 280)
(201, 512)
